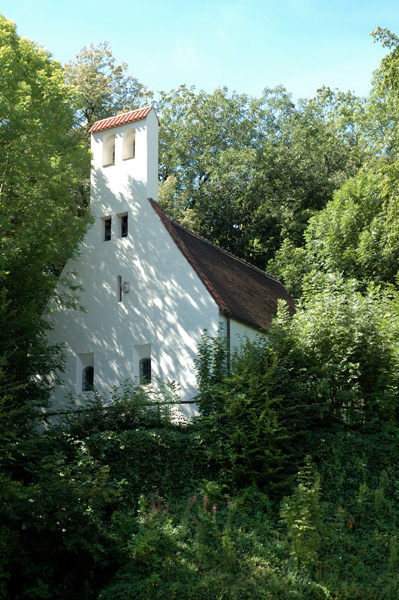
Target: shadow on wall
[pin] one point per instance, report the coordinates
(166, 306)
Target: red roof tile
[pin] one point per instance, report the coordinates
(238, 288)
(129, 117)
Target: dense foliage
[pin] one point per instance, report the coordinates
(41, 213)
(356, 233)
(68, 495)
(247, 172)
(239, 419)
(119, 502)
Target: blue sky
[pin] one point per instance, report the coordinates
(246, 45)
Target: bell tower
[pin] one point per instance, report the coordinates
(125, 150)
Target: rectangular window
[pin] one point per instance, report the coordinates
(124, 226)
(107, 229)
(145, 370)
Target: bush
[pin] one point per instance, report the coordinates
(64, 492)
(216, 548)
(130, 405)
(238, 412)
(338, 361)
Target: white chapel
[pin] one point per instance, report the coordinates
(150, 286)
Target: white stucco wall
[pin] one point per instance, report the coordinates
(239, 332)
(167, 305)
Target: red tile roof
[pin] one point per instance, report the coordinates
(129, 117)
(238, 288)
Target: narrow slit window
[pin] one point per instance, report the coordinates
(145, 370)
(119, 288)
(124, 227)
(87, 379)
(107, 229)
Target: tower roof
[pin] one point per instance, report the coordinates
(128, 117)
(238, 288)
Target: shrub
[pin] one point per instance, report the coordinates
(238, 412)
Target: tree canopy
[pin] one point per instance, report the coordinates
(248, 172)
(356, 234)
(101, 87)
(41, 213)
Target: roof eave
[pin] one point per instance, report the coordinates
(131, 116)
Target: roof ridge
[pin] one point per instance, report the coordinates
(168, 223)
(128, 112)
(230, 254)
(121, 119)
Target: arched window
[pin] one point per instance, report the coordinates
(87, 379)
(109, 150)
(145, 370)
(129, 144)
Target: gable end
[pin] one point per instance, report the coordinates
(186, 253)
(239, 289)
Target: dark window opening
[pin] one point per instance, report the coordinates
(145, 370)
(124, 226)
(120, 289)
(87, 379)
(107, 230)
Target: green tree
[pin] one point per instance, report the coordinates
(102, 88)
(356, 235)
(380, 119)
(322, 146)
(209, 176)
(41, 215)
(338, 359)
(247, 172)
